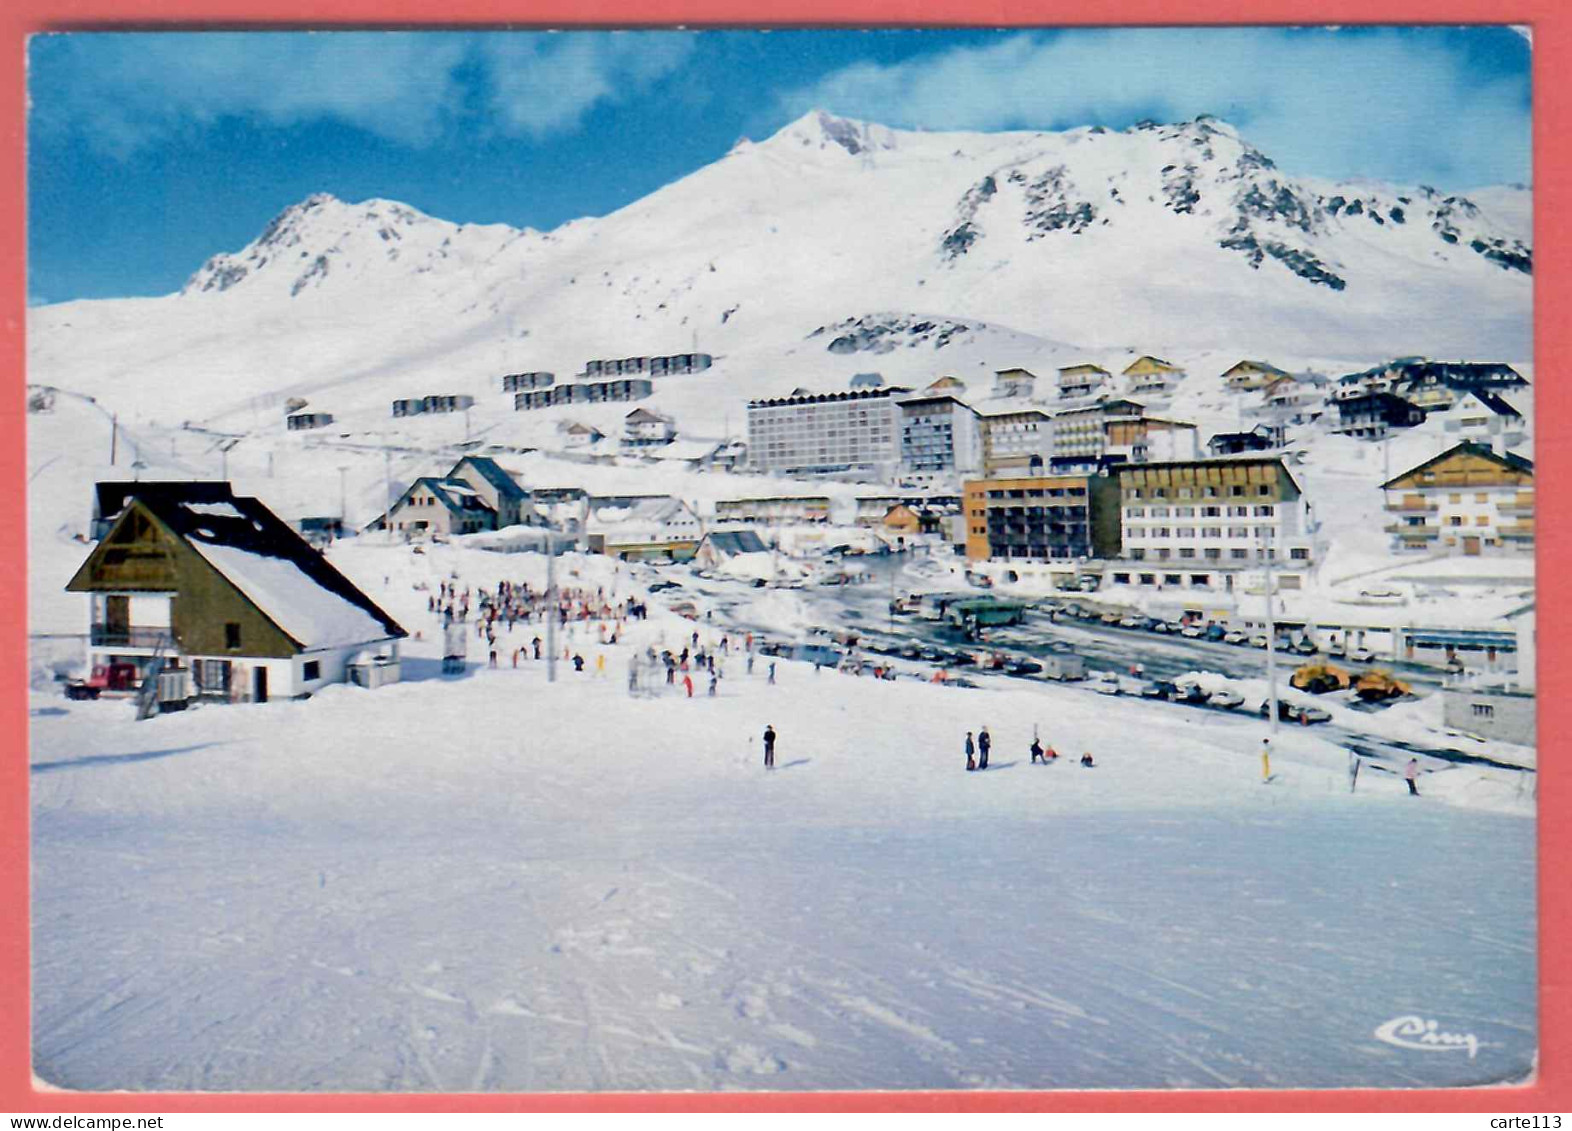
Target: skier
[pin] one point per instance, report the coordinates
(1411, 773)
(1037, 752)
(1353, 770)
(713, 681)
(687, 682)
(769, 747)
(1086, 759)
(600, 665)
(971, 750)
(1266, 759)
(493, 662)
(537, 647)
(578, 663)
(984, 744)
(750, 663)
(771, 680)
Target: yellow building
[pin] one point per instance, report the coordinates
(1082, 380)
(1468, 500)
(1249, 375)
(1151, 376)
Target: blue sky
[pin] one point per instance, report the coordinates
(148, 152)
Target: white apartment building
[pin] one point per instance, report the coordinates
(1196, 524)
(827, 433)
(939, 434)
(1469, 500)
(1083, 431)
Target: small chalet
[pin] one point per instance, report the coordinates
(1261, 438)
(1484, 418)
(1246, 376)
(497, 487)
(642, 528)
(577, 435)
(1082, 380)
(867, 380)
(952, 385)
(220, 599)
(1439, 384)
(1015, 382)
(1370, 416)
(1151, 376)
(642, 428)
(431, 506)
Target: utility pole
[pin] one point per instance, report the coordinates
(1271, 639)
(114, 437)
(551, 603)
(387, 486)
(343, 511)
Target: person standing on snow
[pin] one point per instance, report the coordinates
(769, 747)
(713, 681)
(687, 682)
(971, 751)
(1353, 770)
(1410, 774)
(771, 680)
(984, 744)
(1037, 751)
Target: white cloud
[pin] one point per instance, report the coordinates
(542, 84)
(1340, 105)
(125, 91)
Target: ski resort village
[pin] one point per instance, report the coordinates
(887, 610)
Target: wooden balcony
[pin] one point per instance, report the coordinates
(122, 636)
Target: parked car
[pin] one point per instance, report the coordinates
(1191, 632)
(1225, 699)
(1161, 626)
(1160, 689)
(1258, 640)
(664, 584)
(1110, 618)
(1360, 655)
(1305, 646)
(1023, 666)
(1295, 712)
(1337, 649)
(104, 677)
(1215, 632)
(1235, 637)
(1192, 693)
(1104, 683)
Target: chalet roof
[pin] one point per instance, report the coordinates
(110, 498)
(735, 541)
(642, 416)
(272, 567)
(1155, 361)
(1258, 366)
(1083, 368)
(457, 496)
(1460, 374)
(1494, 402)
(1013, 370)
(493, 473)
(1469, 448)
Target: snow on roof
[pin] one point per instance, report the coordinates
(226, 510)
(312, 616)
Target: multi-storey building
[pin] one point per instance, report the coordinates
(521, 382)
(939, 434)
(1432, 384)
(1468, 500)
(1138, 439)
(827, 433)
(1083, 431)
(1082, 380)
(775, 508)
(584, 392)
(1042, 518)
(650, 366)
(1010, 441)
(1370, 416)
(305, 421)
(1484, 418)
(434, 403)
(1196, 523)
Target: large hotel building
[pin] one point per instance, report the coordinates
(827, 433)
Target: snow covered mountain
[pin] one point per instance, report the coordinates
(1175, 238)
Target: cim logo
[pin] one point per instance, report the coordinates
(1413, 1032)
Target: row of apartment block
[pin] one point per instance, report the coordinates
(583, 392)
